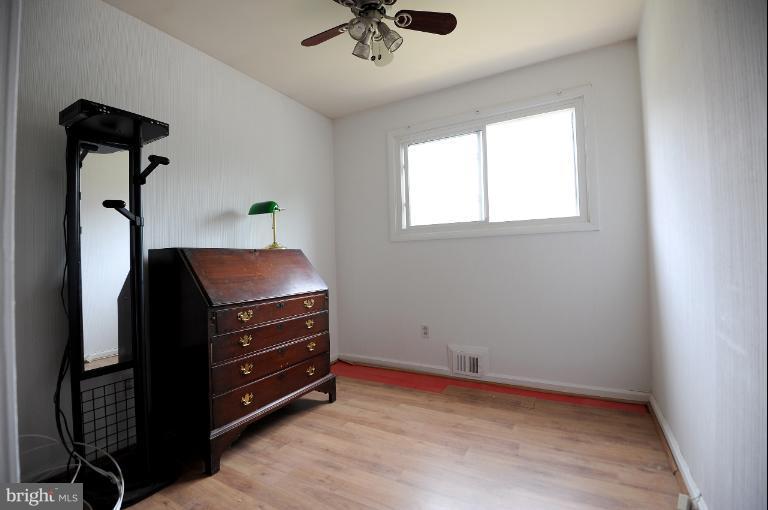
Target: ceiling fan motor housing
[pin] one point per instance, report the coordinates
(364, 4)
(370, 4)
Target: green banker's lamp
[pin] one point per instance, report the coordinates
(265, 208)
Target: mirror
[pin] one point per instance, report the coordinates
(105, 260)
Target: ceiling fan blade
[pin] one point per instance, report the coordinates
(442, 23)
(324, 36)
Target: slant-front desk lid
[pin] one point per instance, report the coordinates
(228, 276)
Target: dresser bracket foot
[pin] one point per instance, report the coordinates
(216, 448)
(330, 388)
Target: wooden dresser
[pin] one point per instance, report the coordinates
(234, 335)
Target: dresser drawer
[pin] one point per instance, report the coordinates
(242, 343)
(233, 319)
(237, 373)
(238, 403)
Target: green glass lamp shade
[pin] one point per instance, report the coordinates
(264, 208)
(268, 208)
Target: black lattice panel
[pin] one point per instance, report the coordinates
(109, 419)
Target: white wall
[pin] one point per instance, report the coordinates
(10, 18)
(233, 141)
(569, 309)
(703, 66)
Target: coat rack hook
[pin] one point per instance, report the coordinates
(119, 206)
(154, 162)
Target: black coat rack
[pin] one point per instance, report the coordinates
(96, 128)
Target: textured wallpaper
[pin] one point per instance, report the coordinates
(233, 141)
(703, 67)
(559, 310)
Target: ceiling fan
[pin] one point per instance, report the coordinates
(375, 40)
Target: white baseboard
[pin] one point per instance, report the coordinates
(393, 363)
(100, 355)
(540, 384)
(682, 465)
(564, 387)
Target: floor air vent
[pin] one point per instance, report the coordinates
(468, 361)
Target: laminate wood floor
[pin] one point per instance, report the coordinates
(386, 447)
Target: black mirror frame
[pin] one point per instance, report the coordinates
(109, 129)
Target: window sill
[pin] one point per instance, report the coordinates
(458, 231)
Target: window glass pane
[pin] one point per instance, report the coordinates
(445, 180)
(532, 171)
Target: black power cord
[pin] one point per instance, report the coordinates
(62, 426)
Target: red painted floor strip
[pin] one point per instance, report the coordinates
(436, 384)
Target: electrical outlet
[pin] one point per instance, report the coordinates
(683, 502)
(425, 332)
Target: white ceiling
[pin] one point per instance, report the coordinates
(262, 38)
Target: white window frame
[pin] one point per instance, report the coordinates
(399, 140)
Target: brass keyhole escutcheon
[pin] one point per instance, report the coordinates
(246, 368)
(309, 303)
(245, 316)
(311, 371)
(311, 346)
(310, 323)
(247, 399)
(245, 340)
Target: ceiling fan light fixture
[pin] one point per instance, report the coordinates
(392, 40)
(357, 29)
(363, 46)
(393, 43)
(362, 50)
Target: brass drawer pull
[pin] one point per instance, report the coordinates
(309, 303)
(310, 323)
(245, 316)
(311, 371)
(245, 340)
(311, 346)
(246, 368)
(280, 305)
(247, 399)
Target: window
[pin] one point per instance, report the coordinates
(454, 165)
(519, 171)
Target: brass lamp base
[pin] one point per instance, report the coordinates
(268, 207)
(275, 245)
